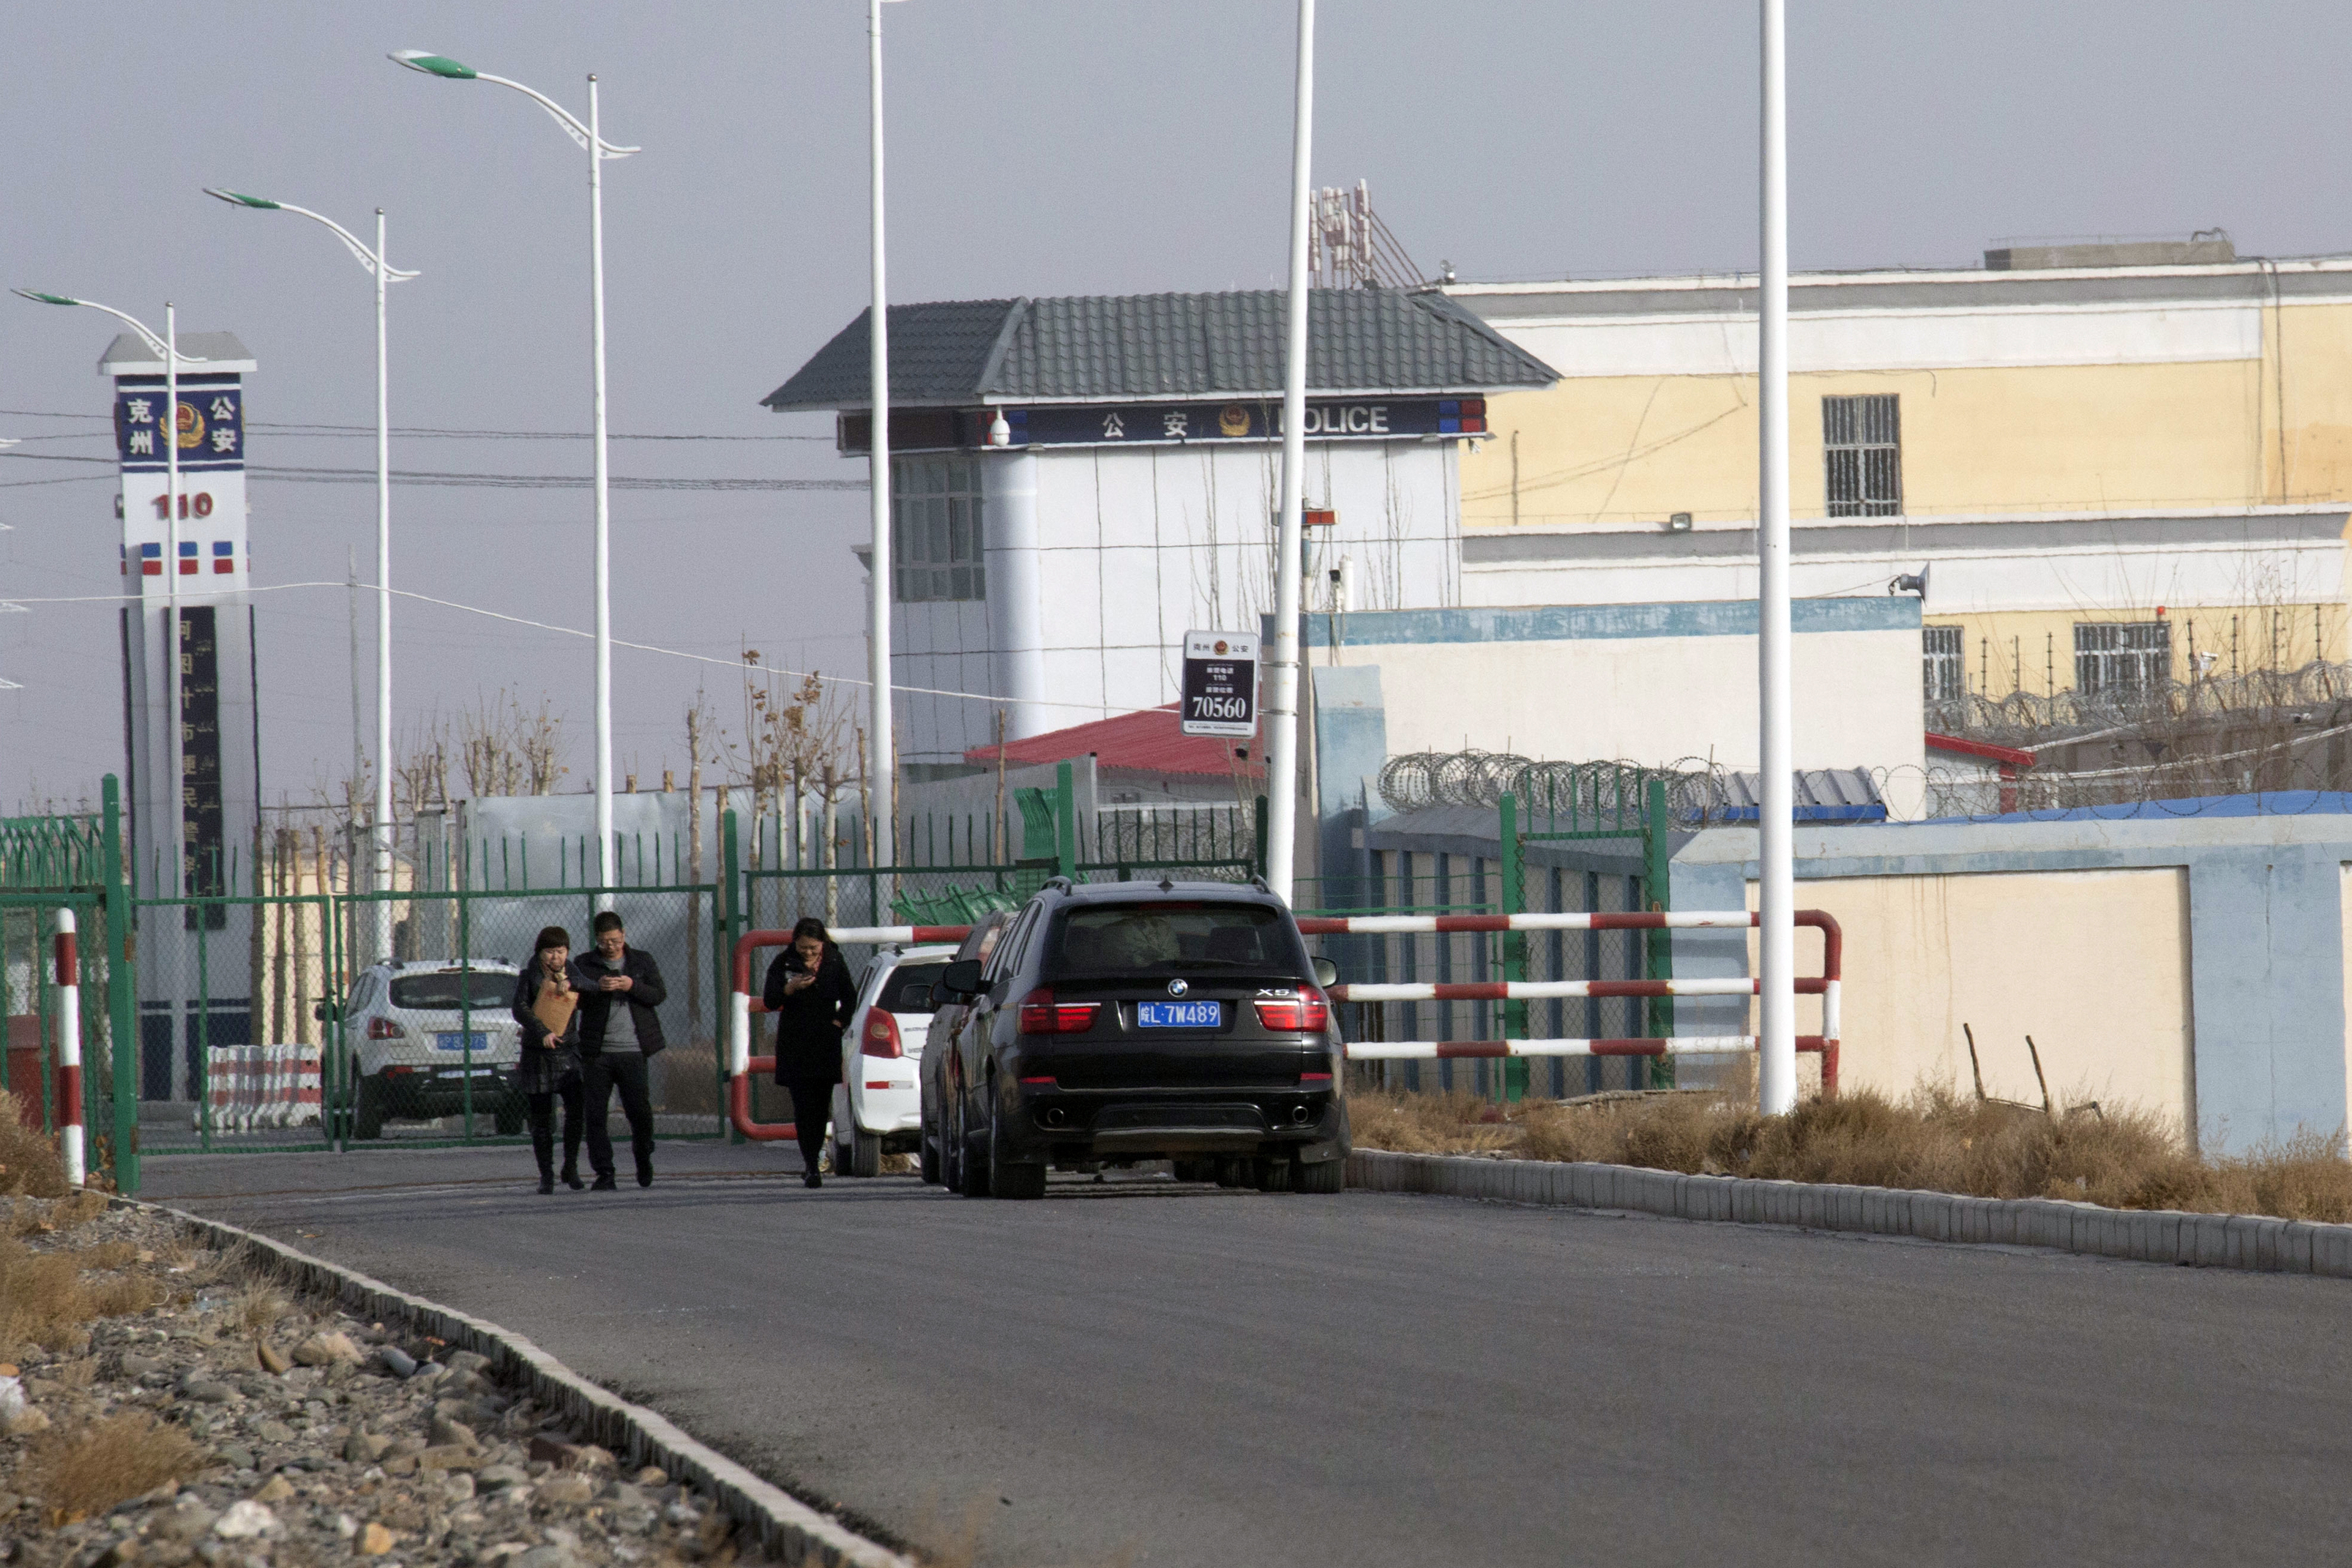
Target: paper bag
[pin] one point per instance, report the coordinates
(555, 1008)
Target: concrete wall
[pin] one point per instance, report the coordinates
(2098, 976)
(2096, 926)
(1645, 683)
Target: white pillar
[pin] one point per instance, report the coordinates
(1016, 606)
(1282, 668)
(1777, 1010)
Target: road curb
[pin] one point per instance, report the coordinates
(2252, 1242)
(787, 1528)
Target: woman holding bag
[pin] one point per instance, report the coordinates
(547, 1005)
(809, 990)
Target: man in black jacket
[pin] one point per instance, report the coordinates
(620, 1030)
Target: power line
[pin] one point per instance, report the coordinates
(487, 482)
(309, 427)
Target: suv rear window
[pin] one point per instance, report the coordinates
(1164, 935)
(440, 993)
(908, 989)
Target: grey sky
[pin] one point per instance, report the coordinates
(1047, 146)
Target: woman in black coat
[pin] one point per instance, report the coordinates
(549, 1068)
(809, 990)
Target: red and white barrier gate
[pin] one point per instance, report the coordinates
(1826, 986)
(741, 1003)
(68, 1079)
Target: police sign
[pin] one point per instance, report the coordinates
(1220, 684)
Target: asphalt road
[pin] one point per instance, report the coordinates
(1142, 1373)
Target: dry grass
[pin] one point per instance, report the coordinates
(29, 1163)
(102, 1464)
(259, 1306)
(46, 1297)
(1932, 1140)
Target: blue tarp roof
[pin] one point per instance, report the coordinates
(2271, 803)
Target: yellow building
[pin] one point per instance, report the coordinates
(2114, 463)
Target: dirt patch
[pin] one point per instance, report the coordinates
(1932, 1142)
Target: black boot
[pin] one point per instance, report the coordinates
(644, 1171)
(542, 1145)
(604, 1183)
(572, 1175)
(546, 1180)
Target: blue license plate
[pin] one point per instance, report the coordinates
(1180, 1015)
(455, 1040)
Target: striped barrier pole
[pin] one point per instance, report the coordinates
(1631, 919)
(1670, 1045)
(69, 1084)
(1545, 990)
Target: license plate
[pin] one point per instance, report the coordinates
(467, 1072)
(1180, 1015)
(455, 1040)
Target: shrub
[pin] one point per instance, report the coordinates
(85, 1473)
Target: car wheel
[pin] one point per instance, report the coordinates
(1232, 1172)
(1330, 1176)
(367, 1118)
(864, 1153)
(1270, 1175)
(971, 1166)
(1193, 1170)
(1008, 1178)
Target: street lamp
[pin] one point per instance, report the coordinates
(167, 348)
(598, 149)
(881, 750)
(1282, 669)
(384, 273)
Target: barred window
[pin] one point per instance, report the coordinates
(935, 534)
(1943, 664)
(2122, 656)
(1862, 456)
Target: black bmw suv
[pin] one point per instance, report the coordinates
(1124, 1022)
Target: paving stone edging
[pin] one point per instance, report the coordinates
(2148, 1236)
(789, 1529)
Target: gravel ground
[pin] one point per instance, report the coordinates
(329, 1437)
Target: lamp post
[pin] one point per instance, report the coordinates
(167, 348)
(1776, 888)
(881, 750)
(384, 273)
(1282, 669)
(590, 141)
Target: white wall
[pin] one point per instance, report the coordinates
(1654, 701)
(1139, 544)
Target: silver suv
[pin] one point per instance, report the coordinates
(405, 1034)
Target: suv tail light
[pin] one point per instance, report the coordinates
(1041, 1015)
(386, 1029)
(1305, 1012)
(881, 1034)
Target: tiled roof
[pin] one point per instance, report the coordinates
(1147, 742)
(1152, 346)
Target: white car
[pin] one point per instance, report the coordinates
(404, 1038)
(879, 1107)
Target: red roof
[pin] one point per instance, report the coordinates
(1985, 749)
(1147, 742)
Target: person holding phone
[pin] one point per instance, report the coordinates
(809, 990)
(547, 1005)
(620, 1031)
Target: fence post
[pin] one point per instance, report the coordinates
(1657, 894)
(1514, 946)
(727, 915)
(1066, 823)
(68, 1062)
(121, 1003)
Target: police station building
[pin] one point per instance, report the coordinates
(1076, 482)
